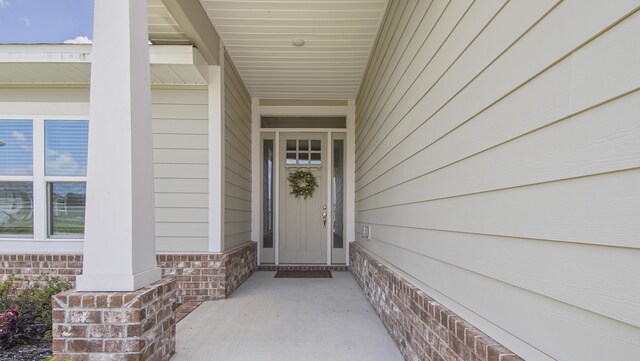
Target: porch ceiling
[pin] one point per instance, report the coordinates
(163, 28)
(338, 37)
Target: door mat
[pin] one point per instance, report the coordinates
(303, 274)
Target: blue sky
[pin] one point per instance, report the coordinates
(45, 21)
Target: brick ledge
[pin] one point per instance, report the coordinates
(421, 327)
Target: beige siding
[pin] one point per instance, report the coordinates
(181, 166)
(498, 163)
(237, 108)
(180, 137)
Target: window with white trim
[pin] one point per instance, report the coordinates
(43, 168)
(16, 178)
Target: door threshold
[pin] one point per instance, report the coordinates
(303, 267)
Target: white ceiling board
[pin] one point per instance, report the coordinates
(163, 29)
(338, 36)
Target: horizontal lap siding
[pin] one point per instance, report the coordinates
(237, 137)
(180, 142)
(498, 163)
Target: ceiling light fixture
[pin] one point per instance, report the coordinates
(297, 42)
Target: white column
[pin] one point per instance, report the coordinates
(256, 175)
(350, 178)
(216, 155)
(119, 250)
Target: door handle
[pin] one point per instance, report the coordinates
(324, 220)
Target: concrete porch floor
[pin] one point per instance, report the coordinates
(286, 319)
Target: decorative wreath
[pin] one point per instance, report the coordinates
(302, 183)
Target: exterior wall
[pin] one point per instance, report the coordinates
(207, 277)
(180, 161)
(33, 267)
(421, 327)
(237, 174)
(497, 164)
(180, 141)
(198, 276)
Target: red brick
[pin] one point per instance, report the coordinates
(494, 352)
(71, 357)
(57, 316)
(84, 316)
(69, 331)
(510, 357)
(107, 331)
(124, 345)
(58, 345)
(84, 345)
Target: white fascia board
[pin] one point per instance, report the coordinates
(64, 53)
(45, 53)
(57, 55)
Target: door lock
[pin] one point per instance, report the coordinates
(324, 220)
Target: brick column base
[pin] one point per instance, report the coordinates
(114, 326)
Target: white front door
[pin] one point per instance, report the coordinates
(303, 222)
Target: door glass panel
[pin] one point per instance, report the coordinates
(315, 159)
(303, 158)
(291, 158)
(338, 193)
(267, 194)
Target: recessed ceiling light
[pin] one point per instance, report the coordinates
(297, 42)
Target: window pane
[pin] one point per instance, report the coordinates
(66, 209)
(315, 145)
(291, 145)
(66, 147)
(303, 145)
(16, 147)
(16, 208)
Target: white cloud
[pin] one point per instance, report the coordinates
(19, 136)
(63, 164)
(78, 40)
(27, 21)
(4, 4)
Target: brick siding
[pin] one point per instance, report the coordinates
(36, 267)
(421, 327)
(199, 277)
(114, 326)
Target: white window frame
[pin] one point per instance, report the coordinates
(45, 243)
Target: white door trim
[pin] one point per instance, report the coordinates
(349, 196)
